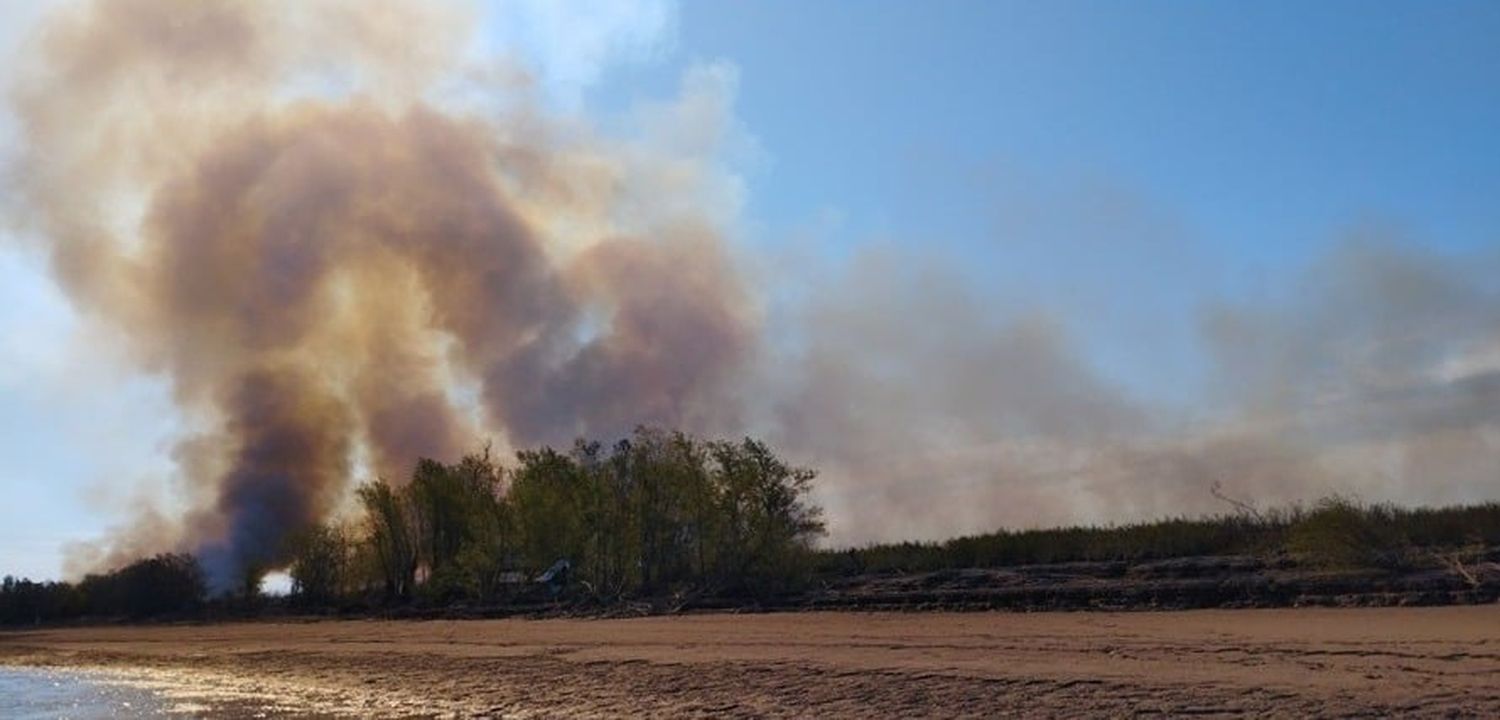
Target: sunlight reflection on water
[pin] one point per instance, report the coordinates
(37, 693)
(27, 694)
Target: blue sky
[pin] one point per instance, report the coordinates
(1064, 151)
(1119, 164)
(1268, 125)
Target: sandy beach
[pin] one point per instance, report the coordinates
(1381, 661)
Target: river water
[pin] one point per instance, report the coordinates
(49, 694)
(34, 694)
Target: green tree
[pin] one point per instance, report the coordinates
(462, 519)
(391, 537)
(159, 585)
(322, 561)
(549, 496)
(768, 526)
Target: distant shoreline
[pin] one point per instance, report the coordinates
(1185, 583)
(1337, 553)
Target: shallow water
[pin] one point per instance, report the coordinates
(33, 694)
(52, 694)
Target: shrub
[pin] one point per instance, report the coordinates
(1340, 532)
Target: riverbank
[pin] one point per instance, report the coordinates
(1311, 661)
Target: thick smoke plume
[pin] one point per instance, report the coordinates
(280, 208)
(349, 243)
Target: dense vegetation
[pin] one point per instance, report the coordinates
(656, 515)
(665, 515)
(161, 585)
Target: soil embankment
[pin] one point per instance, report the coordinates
(1176, 584)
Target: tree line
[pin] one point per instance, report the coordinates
(168, 584)
(665, 513)
(655, 514)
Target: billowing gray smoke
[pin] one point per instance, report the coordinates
(348, 244)
(314, 246)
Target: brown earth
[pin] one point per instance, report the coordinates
(1442, 661)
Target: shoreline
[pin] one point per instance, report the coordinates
(1424, 661)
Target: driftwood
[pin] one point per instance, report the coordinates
(1473, 575)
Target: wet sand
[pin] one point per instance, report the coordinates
(1365, 661)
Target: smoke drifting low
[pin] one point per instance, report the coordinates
(1377, 375)
(349, 243)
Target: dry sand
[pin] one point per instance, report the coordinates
(1294, 662)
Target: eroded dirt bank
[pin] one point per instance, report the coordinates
(1412, 661)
